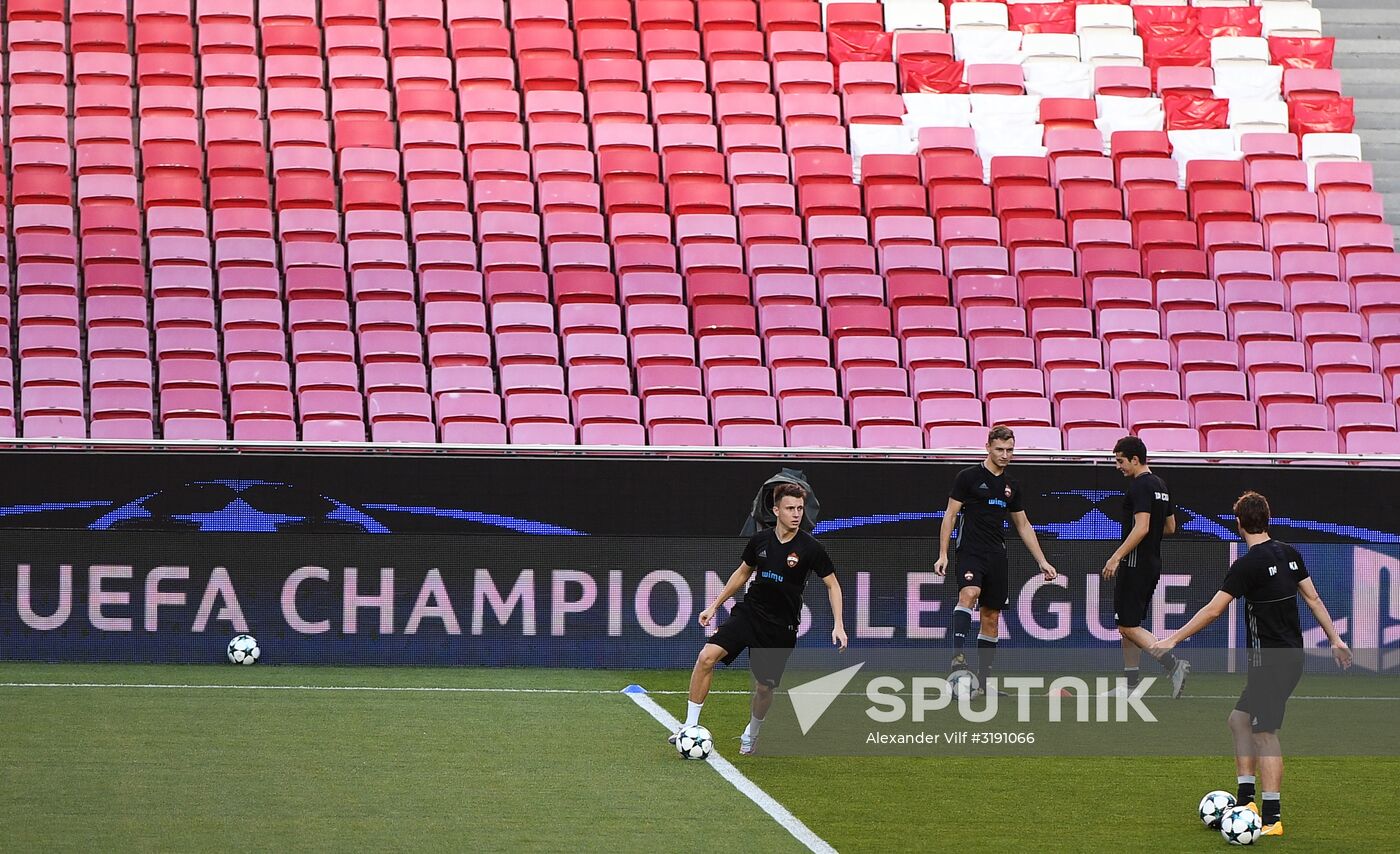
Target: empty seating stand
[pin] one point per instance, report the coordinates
(804, 224)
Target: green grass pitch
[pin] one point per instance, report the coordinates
(188, 769)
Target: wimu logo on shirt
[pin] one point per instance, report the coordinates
(771, 576)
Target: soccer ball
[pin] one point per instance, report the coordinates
(243, 650)
(962, 683)
(1214, 806)
(694, 742)
(1240, 826)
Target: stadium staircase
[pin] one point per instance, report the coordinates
(1368, 55)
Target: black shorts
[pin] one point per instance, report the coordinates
(1133, 587)
(768, 643)
(1268, 687)
(989, 572)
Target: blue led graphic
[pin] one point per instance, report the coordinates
(1094, 525)
(241, 506)
(510, 523)
(830, 525)
(239, 515)
(132, 510)
(1198, 524)
(1368, 534)
(51, 507)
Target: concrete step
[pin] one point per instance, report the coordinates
(1370, 91)
(1377, 121)
(1374, 104)
(1360, 31)
(1371, 79)
(1375, 149)
(1381, 6)
(1368, 55)
(1388, 60)
(1336, 11)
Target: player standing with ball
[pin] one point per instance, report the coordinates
(1136, 565)
(778, 560)
(987, 498)
(1269, 576)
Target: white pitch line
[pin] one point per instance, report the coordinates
(766, 802)
(446, 689)
(1040, 694)
(371, 688)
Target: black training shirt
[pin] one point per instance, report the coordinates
(986, 499)
(1147, 493)
(1267, 577)
(780, 574)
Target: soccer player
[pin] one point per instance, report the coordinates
(1136, 565)
(986, 497)
(765, 622)
(1269, 576)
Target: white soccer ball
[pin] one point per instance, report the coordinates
(1214, 806)
(694, 742)
(962, 683)
(1240, 826)
(243, 649)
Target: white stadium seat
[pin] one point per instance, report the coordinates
(1258, 116)
(1188, 145)
(1049, 47)
(1117, 113)
(1112, 19)
(1060, 79)
(932, 110)
(1251, 82)
(913, 15)
(1291, 20)
(986, 45)
(963, 16)
(1110, 49)
(1238, 50)
(1331, 146)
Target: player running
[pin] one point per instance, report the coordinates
(766, 621)
(986, 497)
(1269, 576)
(1136, 565)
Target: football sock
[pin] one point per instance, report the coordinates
(692, 713)
(752, 730)
(962, 625)
(1244, 795)
(1168, 662)
(1273, 807)
(986, 654)
(1133, 675)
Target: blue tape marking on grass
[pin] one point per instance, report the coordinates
(634, 689)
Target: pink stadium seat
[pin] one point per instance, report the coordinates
(560, 202)
(1372, 443)
(1284, 387)
(1181, 439)
(1238, 440)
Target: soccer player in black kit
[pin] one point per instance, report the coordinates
(1136, 565)
(987, 498)
(1269, 576)
(765, 623)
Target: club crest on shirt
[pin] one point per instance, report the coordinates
(967, 576)
(792, 560)
(1008, 493)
